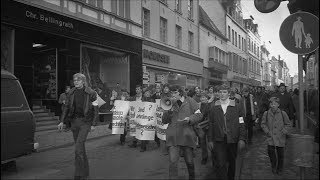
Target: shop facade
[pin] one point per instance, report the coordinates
(164, 65)
(44, 49)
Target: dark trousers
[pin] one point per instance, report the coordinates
(123, 136)
(80, 130)
(249, 126)
(174, 155)
(225, 159)
(203, 144)
(276, 155)
(145, 142)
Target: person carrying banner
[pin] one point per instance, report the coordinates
(180, 133)
(227, 133)
(82, 110)
(138, 97)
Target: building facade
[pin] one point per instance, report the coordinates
(171, 43)
(236, 46)
(254, 59)
(266, 66)
(213, 48)
(52, 40)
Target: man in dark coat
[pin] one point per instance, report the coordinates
(227, 133)
(286, 103)
(180, 133)
(82, 110)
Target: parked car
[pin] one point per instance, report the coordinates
(17, 120)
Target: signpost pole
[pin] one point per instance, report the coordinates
(301, 104)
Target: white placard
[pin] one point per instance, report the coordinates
(132, 118)
(145, 120)
(119, 115)
(160, 127)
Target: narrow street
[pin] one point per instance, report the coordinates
(107, 159)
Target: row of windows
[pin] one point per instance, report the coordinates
(236, 40)
(118, 7)
(218, 55)
(238, 64)
(178, 7)
(164, 31)
(253, 47)
(254, 66)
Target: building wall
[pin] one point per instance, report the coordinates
(167, 11)
(216, 12)
(98, 14)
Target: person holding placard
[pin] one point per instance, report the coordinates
(138, 98)
(180, 133)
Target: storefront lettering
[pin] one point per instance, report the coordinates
(48, 19)
(156, 56)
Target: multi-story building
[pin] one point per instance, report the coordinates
(286, 75)
(213, 44)
(254, 43)
(280, 70)
(310, 74)
(171, 42)
(236, 46)
(50, 40)
(266, 66)
(274, 71)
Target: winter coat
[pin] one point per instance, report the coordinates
(90, 111)
(234, 120)
(285, 103)
(180, 133)
(262, 101)
(276, 126)
(253, 104)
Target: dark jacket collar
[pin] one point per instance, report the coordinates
(88, 90)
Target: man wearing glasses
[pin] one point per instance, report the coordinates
(82, 110)
(180, 134)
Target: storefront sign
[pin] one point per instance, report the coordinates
(247, 80)
(156, 56)
(240, 79)
(48, 19)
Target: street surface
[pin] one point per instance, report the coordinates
(109, 160)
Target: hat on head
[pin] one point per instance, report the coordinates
(245, 89)
(282, 84)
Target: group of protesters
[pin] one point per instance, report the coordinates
(217, 119)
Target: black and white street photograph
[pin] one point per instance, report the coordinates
(160, 89)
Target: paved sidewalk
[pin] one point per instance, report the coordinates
(56, 139)
(256, 163)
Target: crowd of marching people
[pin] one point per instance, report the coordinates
(218, 119)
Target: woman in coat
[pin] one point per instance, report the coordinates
(180, 134)
(276, 124)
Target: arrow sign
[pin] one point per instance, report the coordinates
(299, 33)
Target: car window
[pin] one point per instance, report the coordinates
(12, 96)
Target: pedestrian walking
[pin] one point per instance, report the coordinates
(227, 133)
(197, 91)
(276, 124)
(285, 102)
(82, 110)
(180, 133)
(63, 101)
(262, 104)
(249, 106)
(203, 127)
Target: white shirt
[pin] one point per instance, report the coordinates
(224, 105)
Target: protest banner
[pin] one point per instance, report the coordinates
(160, 127)
(145, 119)
(132, 117)
(120, 111)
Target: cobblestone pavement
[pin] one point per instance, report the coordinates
(256, 163)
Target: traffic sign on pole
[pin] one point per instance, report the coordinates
(266, 6)
(299, 33)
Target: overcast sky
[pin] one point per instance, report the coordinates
(268, 27)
